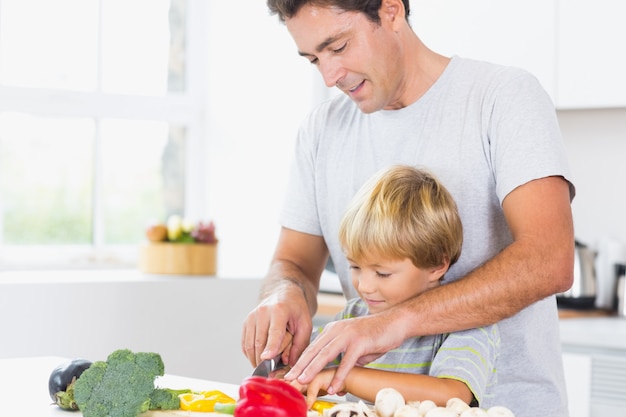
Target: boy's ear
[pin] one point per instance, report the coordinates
(437, 272)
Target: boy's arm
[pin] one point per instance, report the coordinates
(366, 382)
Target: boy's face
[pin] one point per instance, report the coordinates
(385, 283)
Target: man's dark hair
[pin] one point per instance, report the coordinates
(286, 9)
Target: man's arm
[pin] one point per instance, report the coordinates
(282, 320)
(537, 264)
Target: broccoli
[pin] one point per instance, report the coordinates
(166, 398)
(123, 386)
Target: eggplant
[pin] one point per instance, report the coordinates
(60, 384)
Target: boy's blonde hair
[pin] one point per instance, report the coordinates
(403, 212)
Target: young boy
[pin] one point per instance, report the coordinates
(400, 234)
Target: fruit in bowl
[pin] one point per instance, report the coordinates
(156, 232)
(204, 233)
(180, 230)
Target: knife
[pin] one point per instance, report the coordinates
(268, 367)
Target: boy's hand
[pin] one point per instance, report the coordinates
(318, 386)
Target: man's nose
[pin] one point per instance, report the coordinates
(331, 73)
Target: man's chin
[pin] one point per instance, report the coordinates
(367, 107)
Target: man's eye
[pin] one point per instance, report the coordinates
(341, 48)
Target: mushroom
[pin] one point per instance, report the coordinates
(499, 411)
(349, 409)
(457, 405)
(387, 401)
(441, 412)
(474, 412)
(425, 406)
(407, 411)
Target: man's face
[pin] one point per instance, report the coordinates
(351, 52)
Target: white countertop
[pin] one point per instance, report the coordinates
(24, 387)
(95, 275)
(599, 333)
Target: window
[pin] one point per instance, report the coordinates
(97, 124)
(117, 112)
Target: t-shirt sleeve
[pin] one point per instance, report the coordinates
(299, 210)
(469, 356)
(520, 127)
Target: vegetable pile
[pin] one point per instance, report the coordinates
(390, 403)
(123, 386)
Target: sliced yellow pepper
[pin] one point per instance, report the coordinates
(203, 400)
(320, 406)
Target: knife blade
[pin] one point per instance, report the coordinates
(268, 366)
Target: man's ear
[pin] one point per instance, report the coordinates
(391, 12)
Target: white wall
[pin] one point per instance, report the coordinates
(596, 146)
(260, 89)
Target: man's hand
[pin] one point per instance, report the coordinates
(361, 340)
(280, 323)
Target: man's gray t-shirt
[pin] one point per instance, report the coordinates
(482, 130)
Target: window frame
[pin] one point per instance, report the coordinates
(186, 109)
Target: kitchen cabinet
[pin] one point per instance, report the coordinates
(572, 46)
(594, 358)
(577, 368)
(194, 322)
(591, 61)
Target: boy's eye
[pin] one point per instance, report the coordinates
(354, 267)
(383, 274)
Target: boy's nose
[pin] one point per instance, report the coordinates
(366, 284)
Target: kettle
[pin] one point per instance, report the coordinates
(582, 293)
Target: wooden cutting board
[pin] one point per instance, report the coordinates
(184, 413)
(180, 413)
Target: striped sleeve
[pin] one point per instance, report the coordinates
(470, 356)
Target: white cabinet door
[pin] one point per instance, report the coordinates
(591, 60)
(508, 32)
(578, 379)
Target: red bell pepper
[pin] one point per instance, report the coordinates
(263, 397)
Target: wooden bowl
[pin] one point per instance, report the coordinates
(178, 258)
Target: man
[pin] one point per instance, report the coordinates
(489, 133)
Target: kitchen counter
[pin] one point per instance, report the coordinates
(329, 304)
(566, 313)
(594, 334)
(24, 387)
